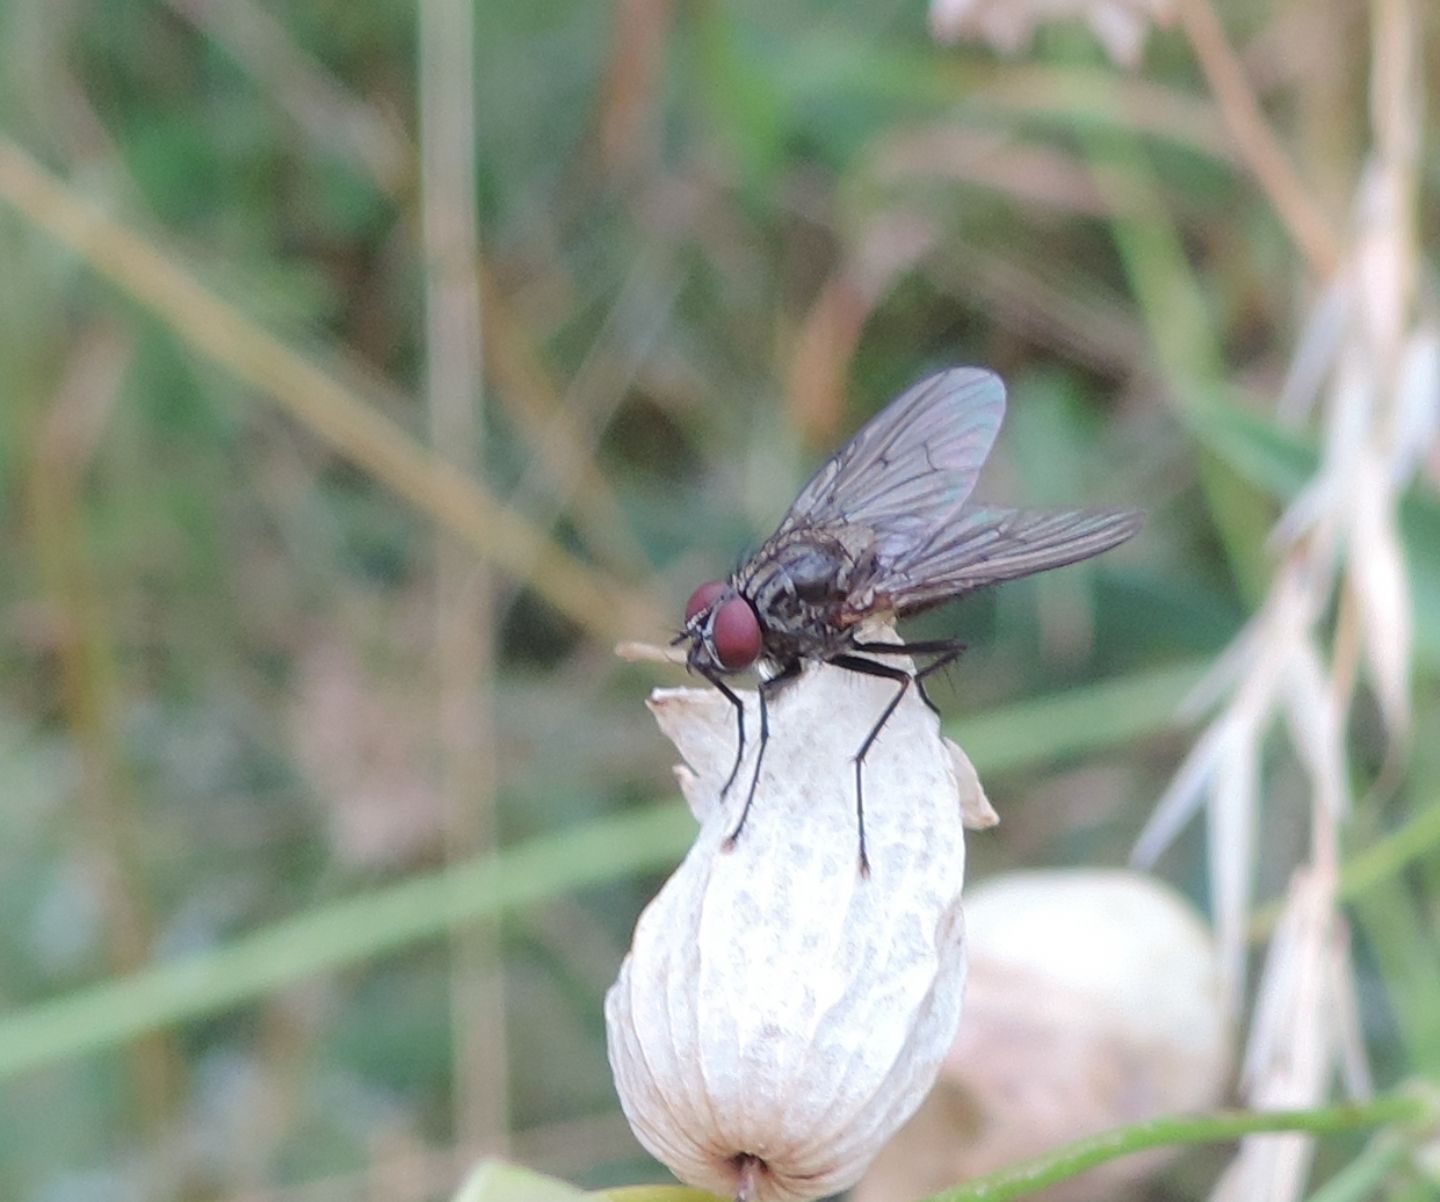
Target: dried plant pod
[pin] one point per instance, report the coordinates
(780, 1015)
(1094, 1000)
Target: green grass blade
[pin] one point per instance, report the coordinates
(1025, 735)
(340, 934)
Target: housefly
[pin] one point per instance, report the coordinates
(883, 530)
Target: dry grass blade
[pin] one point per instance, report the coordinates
(466, 622)
(332, 118)
(1139, 106)
(522, 384)
(319, 401)
(108, 827)
(330, 115)
(563, 438)
(1294, 1038)
(1308, 226)
(1359, 365)
(634, 73)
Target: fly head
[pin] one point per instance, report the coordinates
(722, 629)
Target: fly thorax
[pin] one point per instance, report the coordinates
(802, 582)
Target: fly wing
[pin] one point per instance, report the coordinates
(910, 468)
(987, 544)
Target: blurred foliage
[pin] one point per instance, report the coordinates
(714, 237)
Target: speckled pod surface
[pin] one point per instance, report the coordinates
(780, 1015)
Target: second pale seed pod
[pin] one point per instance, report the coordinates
(1094, 1001)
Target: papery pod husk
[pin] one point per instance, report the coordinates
(780, 1014)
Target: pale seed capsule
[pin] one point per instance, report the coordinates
(779, 1015)
(1094, 1000)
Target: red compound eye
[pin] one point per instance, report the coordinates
(703, 597)
(736, 634)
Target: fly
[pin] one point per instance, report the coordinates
(883, 530)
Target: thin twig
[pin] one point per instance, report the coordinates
(1308, 226)
(1395, 1109)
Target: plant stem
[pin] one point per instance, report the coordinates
(465, 626)
(1073, 1159)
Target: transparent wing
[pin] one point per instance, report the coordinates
(987, 544)
(911, 466)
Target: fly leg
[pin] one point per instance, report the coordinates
(739, 705)
(870, 667)
(788, 673)
(946, 651)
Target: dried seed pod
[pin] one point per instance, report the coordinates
(779, 1014)
(1094, 1000)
